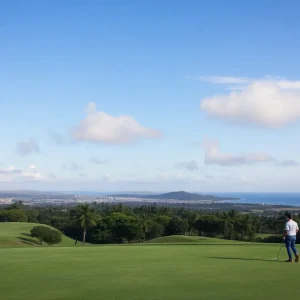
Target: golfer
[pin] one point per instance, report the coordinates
(291, 229)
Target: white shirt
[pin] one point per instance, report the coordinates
(291, 227)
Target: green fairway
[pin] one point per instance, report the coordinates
(148, 272)
(18, 235)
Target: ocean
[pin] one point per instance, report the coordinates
(292, 199)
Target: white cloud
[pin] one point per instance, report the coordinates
(101, 127)
(188, 165)
(269, 103)
(12, 174)
(10, 170)
(213, 156)
(28, 147)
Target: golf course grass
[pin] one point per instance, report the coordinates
(183, 239)
(212, 270)
(17, 234)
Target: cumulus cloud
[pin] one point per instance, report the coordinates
(13, 174)
(32, 173)
(188, 165)
(267, 102)
(213, 156)
(28, 147)
(101, 127)
(10, 170)
(97, 161)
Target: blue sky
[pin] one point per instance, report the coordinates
(151, 96)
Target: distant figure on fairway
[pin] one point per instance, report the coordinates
(291, 229)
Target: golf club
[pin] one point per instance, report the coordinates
(276, 258)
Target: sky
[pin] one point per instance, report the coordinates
(150, 95)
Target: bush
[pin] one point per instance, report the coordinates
(46, 234)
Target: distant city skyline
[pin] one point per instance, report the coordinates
(161, 96)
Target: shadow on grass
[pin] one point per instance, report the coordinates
(200, 244)
(26, 234)
(243, 258)
(29, 241)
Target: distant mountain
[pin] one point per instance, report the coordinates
(181, 195)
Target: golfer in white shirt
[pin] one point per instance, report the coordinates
(291, 229)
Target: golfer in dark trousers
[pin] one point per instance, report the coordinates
(291, 229)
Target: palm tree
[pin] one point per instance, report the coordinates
(145, 223)
(85, 218)
(192, 217)
(228, 225)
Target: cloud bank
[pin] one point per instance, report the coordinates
(213, 156)
(13, 174)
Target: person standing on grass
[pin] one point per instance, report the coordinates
(291, 229)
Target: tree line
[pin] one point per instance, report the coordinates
(101, 223)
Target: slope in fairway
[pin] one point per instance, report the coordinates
(15, 234)
(183, 239)
(148, 272)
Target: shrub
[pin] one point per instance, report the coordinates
(46, 234)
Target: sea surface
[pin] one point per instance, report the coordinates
(292, 199)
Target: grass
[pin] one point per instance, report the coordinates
(182, 239)
(205, 269)
(18, 235)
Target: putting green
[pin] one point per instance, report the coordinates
(149, 272)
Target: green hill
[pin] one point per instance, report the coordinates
(181, 195)
(15, 234)
(182, 239)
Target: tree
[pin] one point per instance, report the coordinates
(145, 224)
(191, 218)
(176, 226)
(228, 224)
(155, 230)
(46, 234)
(13, 215)
(209, 225)
(84, 217)
(123, 226)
